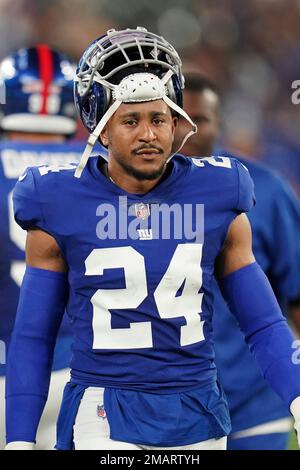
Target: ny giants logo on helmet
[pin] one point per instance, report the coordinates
(38, 84)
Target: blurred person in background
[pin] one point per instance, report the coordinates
(260, 420)
(36, 121)
(123, 332)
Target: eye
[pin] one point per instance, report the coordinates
(130, 122)
(158, 121)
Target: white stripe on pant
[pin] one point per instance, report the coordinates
(282, 425)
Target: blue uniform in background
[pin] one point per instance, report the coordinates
(15, 157)
(135, 331)
(275, 222)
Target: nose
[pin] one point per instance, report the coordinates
(146, 133)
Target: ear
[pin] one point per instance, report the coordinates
(104, 136)
(174, 124)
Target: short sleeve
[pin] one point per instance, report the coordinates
(246, 196)
(27, 208)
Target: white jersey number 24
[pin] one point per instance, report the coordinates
(184, 269)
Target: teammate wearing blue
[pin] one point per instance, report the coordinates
(130, 248)
(37, 118)
(260, 419)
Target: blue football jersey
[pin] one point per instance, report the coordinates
(140, 275)
(15, 157)
(275, 222)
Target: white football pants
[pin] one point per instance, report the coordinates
(91, 430)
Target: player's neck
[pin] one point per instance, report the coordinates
(128, 182)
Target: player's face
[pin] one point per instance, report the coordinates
(139, 137)
(203, 110)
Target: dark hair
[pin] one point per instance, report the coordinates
(196, 82)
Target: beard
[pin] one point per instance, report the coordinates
(143, 175)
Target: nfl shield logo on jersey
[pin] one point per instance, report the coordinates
(101, 411)
(142, 211)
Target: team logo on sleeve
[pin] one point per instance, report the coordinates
(101, 411)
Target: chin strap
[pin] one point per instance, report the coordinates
(95, 136)
(135, 88)
(187, 117)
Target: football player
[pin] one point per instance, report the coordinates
(130, 247)
(260, 420)
(36, 120)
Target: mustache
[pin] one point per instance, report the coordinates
(147, 147)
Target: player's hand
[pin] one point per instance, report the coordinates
(297, 429)
(20, 445)
(295, 410)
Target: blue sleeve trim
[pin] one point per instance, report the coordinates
(43, 298)
(45, 273)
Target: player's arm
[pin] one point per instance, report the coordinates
(237, 248)
(42, 251)
(294, 314)
(249, 295)
(43, 297)
(284, 247)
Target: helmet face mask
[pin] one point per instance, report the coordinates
(122, 49)
(129, 66)
(114, 56)
(38, 86)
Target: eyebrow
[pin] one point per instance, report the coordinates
(136, 115)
